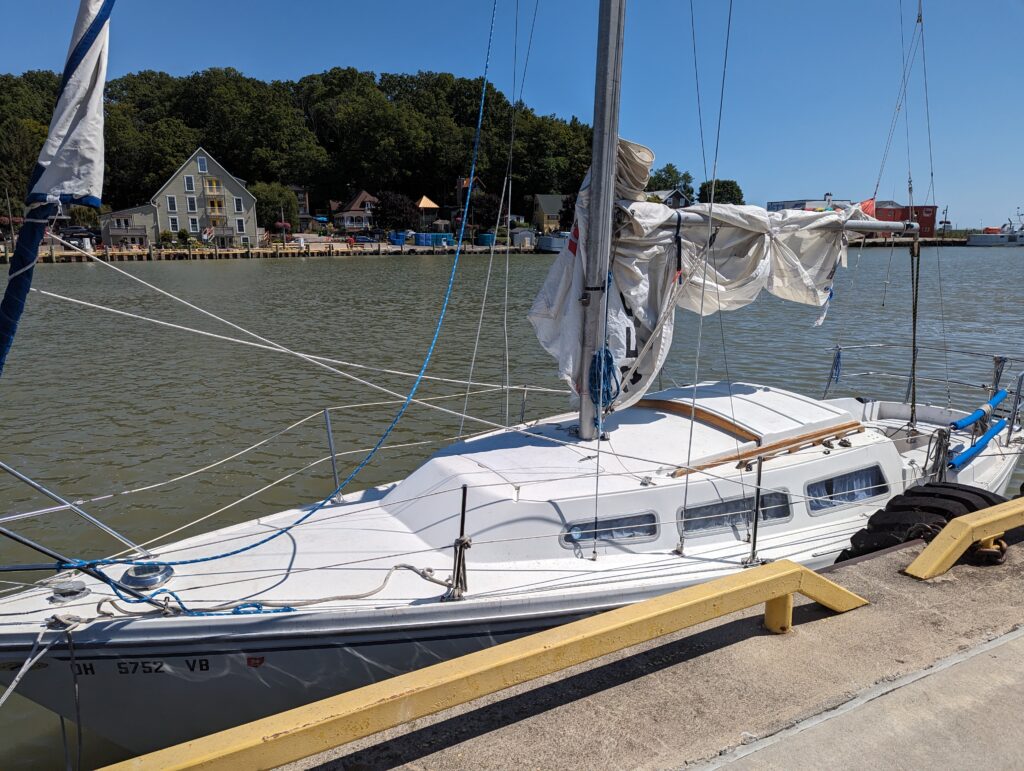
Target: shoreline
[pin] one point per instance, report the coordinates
(56, 256)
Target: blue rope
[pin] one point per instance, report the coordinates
(604, 379)
(837, 365)
(255, 607)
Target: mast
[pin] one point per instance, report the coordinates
(611, 24)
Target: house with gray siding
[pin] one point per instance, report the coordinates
(129, 227)
(201, 197)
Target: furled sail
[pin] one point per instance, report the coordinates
(70, 166)
(661, 261)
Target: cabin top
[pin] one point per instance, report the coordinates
(650, 438)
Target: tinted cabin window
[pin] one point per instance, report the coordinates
(846, 488)
(735, 512)
(632, 526)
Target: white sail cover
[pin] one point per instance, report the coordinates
(658, 265)
(70, 167)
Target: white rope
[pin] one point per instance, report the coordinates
(325, 359)
(30, 662)
(281, 480)
(233, 456)
(316, 361)
(427, 574)
(368, 383)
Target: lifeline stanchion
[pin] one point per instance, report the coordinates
(459, 582)
(753, 559)
(76, 509)
(330, 447)
(60, 559)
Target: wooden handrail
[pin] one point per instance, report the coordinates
(694, 412)
(792, 444)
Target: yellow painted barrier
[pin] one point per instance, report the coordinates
(338, 720)
(958, 535)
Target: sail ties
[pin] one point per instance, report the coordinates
(604, 385)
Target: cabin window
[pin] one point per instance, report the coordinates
(193, 224)
(736, 512)
(190, 183)
(173, 224)
(846, 488)
(239, 208)
(172, 203)
(240, 225)
(190, 202)
(201, 164)
(631, 527)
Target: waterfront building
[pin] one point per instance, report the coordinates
(546, 208)
(305, 213)
(810, 204)
(924, 216)
(356, 215)
(674, 198)
(201, 197)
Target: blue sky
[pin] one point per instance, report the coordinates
(809, 95)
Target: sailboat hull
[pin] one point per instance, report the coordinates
(149, 681)
(149, 696)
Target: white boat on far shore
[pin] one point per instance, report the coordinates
(1007, 235)
(553, 243)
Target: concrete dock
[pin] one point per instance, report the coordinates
(931, 674)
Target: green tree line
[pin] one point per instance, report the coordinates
(335, 132)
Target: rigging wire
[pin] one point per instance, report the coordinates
(408, 400)
(930, 195)
(908, 67)
(279, 349)
(506, 195)
(508, 221)
(709, 244)
(696, 78)
(900, 98)
(240, 453)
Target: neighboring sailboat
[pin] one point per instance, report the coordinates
(523, 527)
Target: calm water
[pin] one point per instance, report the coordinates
(92, 403)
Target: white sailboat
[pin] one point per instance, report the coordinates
(526, 526)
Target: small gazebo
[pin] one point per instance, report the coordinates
(428, 211)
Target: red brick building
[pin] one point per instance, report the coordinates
(890, 211)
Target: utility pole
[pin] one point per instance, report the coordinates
(611, 26)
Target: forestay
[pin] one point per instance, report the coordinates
(659, 264)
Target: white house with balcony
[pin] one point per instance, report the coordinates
(356, 215)
(202, 198)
